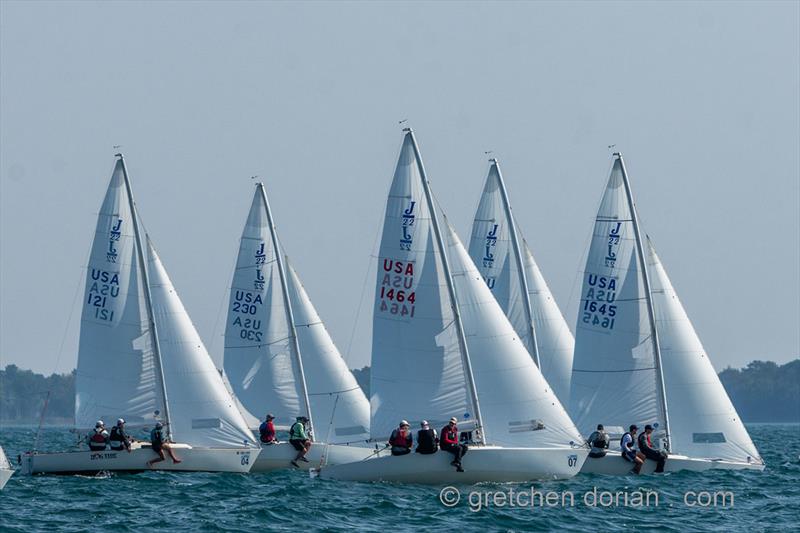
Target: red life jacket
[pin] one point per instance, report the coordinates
(99, 438)
(400, 438)
(450, 436)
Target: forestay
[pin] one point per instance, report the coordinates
(614, 377)
(116, 374)
(202, 412)
(493, 252)
(703, 421)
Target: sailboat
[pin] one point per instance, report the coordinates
(280, 359)
(141, 359)
(5, 469)
(506, 263)
(442, 347)
(638, 360)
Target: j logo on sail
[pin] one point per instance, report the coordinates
(613, 242)
(111, 254)
(491, 242)
(408, 221)
(261, 257)
(115, 232)
(258, 283)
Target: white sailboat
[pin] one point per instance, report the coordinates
(279, 357)
(141, 359)
(5, 469)
(442, 347)
(506, 263)
(637, 357)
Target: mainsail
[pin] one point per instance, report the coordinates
(260, 343)
(511, 273)
(419, 370)
(116, 374)
(614, 376)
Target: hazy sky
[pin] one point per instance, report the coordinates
(702, 98)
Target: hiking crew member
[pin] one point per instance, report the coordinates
(119, 440)
(449, 443)
(427, 439)
(159, 443)
(266, 431)
(646, 447)
(401, 439)
(98, 437)
(629, 453)
(299, 439)
(599, 441)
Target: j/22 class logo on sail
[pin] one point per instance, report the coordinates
(408, 226)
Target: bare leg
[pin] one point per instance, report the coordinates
(175, 460)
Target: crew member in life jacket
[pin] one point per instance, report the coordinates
(599, 442)
(449, 443)
(119, 440)
(160, 443)
(629, 453)
(98, 437)
(300, 440)
(427, 439)
(401, 440)
(646, 447)
(266, 431)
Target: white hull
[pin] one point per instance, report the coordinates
(192, 460)
(481, 464)
(5, 475)
(614, 465)
(279, 456)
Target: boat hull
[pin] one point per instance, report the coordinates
(614, 465)
(279, 456)
(89, 463)
(5, 475)
(481, 464)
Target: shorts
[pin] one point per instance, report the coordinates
(157, 446)
(629, 455)
(298, 444)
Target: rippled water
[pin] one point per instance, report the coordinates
(292, 501)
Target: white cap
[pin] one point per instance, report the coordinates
(120, 421)
(99, 424)
(404, 422)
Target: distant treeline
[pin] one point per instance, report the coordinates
(762, 392)
(23, 394)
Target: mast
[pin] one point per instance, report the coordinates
(518, 253)
(288, 307)
(648, 296)
(462, 341)
(148, 300)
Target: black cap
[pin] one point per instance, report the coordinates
(633, 427)
(599, 426)
(648, 426)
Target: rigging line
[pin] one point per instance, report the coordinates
(61, 346)
(226, 292)
(363, 289)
